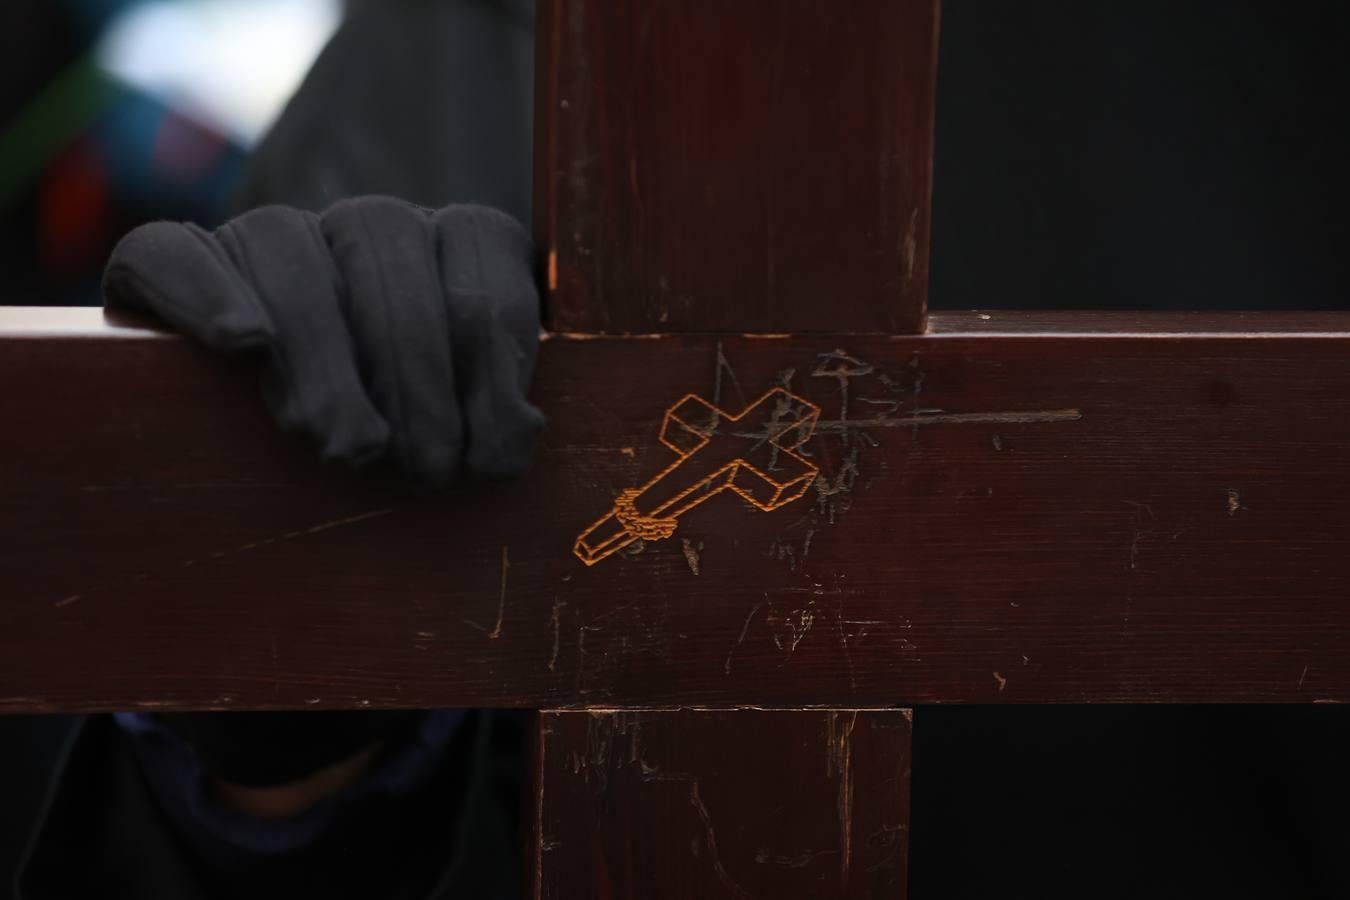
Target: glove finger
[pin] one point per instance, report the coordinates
(180, 274)
(310, 380)
(486, 263)
(384, 252)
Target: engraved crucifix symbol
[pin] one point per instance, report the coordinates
(751, 453)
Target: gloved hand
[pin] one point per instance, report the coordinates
(385, 330)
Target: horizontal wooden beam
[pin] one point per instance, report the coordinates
(1040, 513)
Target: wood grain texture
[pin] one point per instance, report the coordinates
(998, 518)
(714, 166)
(1065, 323)
(722, 803)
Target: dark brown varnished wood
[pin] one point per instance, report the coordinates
(714, 166)
(1088, 517)
(1067, 323)
(722, 803)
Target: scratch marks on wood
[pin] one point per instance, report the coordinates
(842, 624)
(249, 547)
(1018, 417)
(582, 631)
(1134, 548)
(301, 532)
(1234, 502)
(831, 492)
(496, 630)
(790, 630)
(1002, 682)
(608, 639)
(691, 553)
(726, 666)
(556, 621)
(843, 642)
(842, 367)
(911, 243)
(898, 407)
(595, 758)
(1302, 677)
(501, 600)
(918, 388)
(651, 773)
(336, 523)
(839, 445)
(1140, 511)
(800, 861)
(725, 367)
(805, 619)
(787, 631)
(839, 764)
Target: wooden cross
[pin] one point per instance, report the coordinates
(732, 199)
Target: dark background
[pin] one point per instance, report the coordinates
(1142, 154)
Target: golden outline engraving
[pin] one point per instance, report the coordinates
(651, 512)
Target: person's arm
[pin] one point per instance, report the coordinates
(428, 100)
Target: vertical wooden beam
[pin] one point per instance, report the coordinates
(760, 166)
(721, 804)
(757, 166)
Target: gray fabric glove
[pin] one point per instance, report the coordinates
(386, 331)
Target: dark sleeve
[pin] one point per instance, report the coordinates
(427, 100)
(102, 834)
(99, 834)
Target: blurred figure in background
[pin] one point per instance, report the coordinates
(118, 112)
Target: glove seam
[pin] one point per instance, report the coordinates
(212, 242)
(396, 386)
(435, 270)
(276, 349)
(489, 347)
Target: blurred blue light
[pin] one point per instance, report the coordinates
(231, 64)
